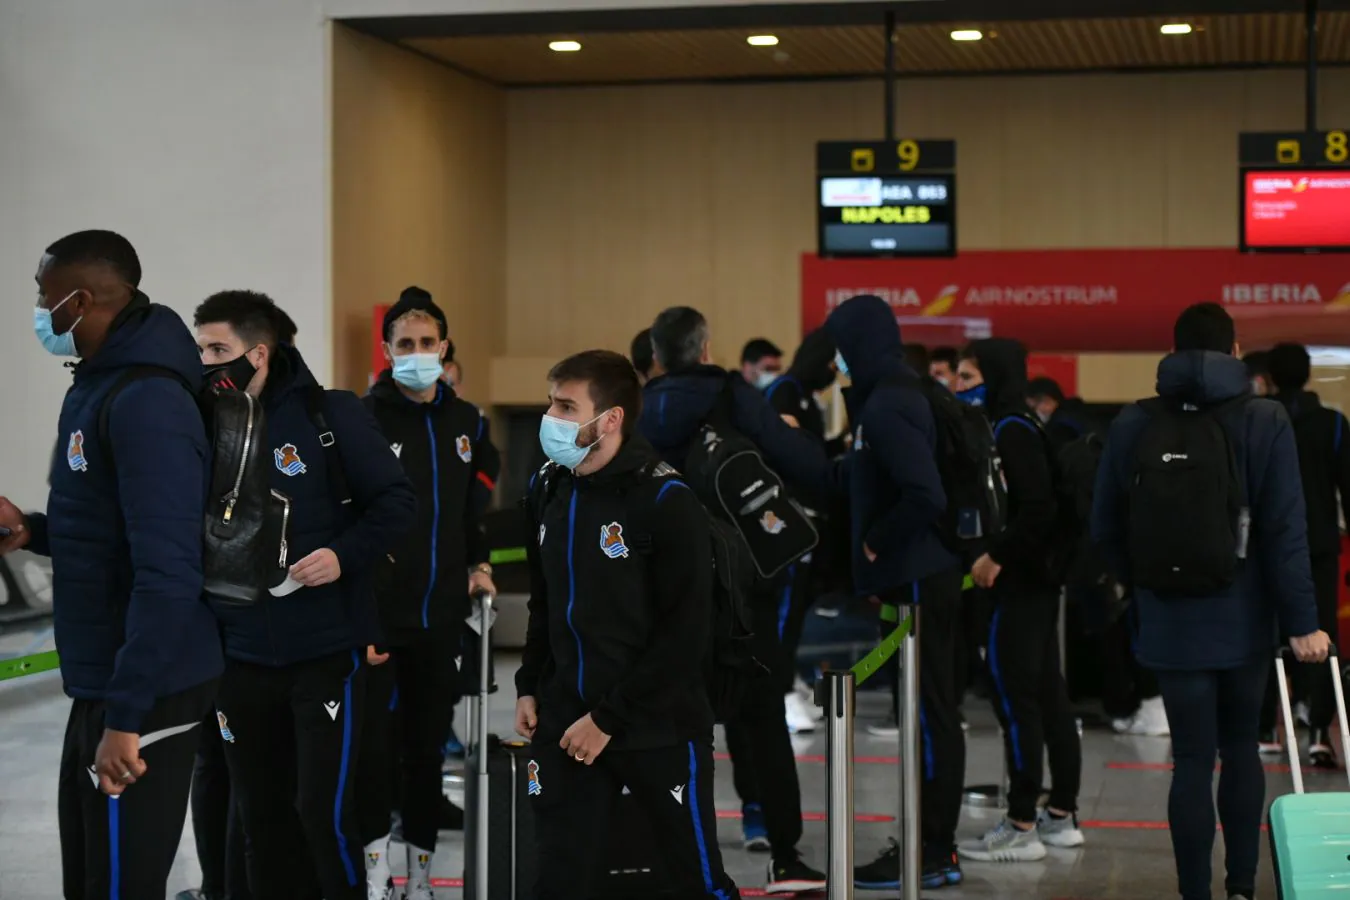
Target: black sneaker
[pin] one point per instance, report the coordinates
(793, 877)
(1319, 750)
(951, 868)
(940, 868)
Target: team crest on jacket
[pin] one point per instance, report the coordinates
(224, 724)
(288, 460)
(771, 523)
(75, 453)
(464, 448)
(535, 788)
(611, 541)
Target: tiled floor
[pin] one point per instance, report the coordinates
(1124, 806)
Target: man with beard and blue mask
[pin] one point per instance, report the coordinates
(423, 591)
(611, 686)
(1031, 698)
(293, 698)
(140, 651)
(897, 498)
(761, 363)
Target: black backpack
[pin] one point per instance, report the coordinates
(1075, 465)
(731, 664)
(971, 472)
(1188, 517)
(728, 474)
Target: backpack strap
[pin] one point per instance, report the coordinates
(724, 404)
(337, 475)
(133, 374)
(543, 485)
(1020, 419)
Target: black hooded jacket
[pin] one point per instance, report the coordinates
(1024, 544)
(621, 600)
(895, 489)
(812, 370)
(1324, 462)
(446, 453)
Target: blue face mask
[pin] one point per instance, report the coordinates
(418, 371)
(558, 438)
(53, 343)
(974, 396)
(840, 364)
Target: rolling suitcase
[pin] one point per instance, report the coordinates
(1310, 833)
(496, 802)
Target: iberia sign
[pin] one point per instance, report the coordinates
(1074, 300)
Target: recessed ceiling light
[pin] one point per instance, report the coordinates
(1176, 28)
(564, 46)
(967, 34)
(762, 40)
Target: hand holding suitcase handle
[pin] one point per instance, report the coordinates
(1319, 650)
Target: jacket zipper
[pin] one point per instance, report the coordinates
(243, 463)
(572, 590)
(435, 521)
(285, 527)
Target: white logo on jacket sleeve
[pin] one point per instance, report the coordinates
(464, 447)
(398, 450)
(75, 453)
(611, 541)
(332, 709)
(288, 460)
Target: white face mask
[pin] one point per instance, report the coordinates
(764, 379)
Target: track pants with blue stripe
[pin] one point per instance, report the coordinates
(573, 804)
(292, 735)
(123, 849)
(1032, 699)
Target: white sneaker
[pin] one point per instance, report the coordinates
(809, 695)
(1005, 842)
(887, 729)
(1149, 721)
(419, 875)
(379, 880)
(799, 717)
(1063, 833)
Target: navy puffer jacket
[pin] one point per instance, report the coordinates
(125, 533)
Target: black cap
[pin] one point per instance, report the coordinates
(414, 298)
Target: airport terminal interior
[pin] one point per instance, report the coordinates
(558, 172)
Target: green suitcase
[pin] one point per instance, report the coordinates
(1310, 833)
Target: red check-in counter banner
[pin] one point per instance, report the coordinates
(1073, 300)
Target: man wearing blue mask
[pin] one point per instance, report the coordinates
(1031, 698)
(423, 595)
(611, 687)
(140, 651)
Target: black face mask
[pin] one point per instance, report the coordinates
(231, 376)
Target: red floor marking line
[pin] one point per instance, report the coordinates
(1273, 768)
(436, 882)
(866, 818)
(818, 758)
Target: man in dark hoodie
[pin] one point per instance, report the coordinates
(1031, 698)
(423, 591)
(1212, 651)
(293, 695)
(897, 498)
(675, 405)
(140, 654)
(1323, 439)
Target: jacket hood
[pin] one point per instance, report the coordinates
(674, 406)
(865, 331)
(386, 390)
(635, 454)
(1299, 403)
(812, 366)
(1003, 363)
(287, 375)
(1202, 377)
(147, 334)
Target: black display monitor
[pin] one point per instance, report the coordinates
(887, 199)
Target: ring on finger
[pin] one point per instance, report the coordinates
(581, 757)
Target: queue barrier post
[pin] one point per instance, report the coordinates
(836, 692)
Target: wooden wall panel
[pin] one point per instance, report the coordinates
(419, 177)
(622, 201)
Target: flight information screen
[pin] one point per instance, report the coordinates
(889, 215)
(1291, 209)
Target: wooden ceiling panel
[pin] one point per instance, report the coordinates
(1015, 46)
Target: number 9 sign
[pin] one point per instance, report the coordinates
(908, 151)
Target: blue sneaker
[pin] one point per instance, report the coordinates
(753, 829)
(454, 747)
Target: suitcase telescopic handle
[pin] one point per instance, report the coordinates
(484, 601)
(1290, 735)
